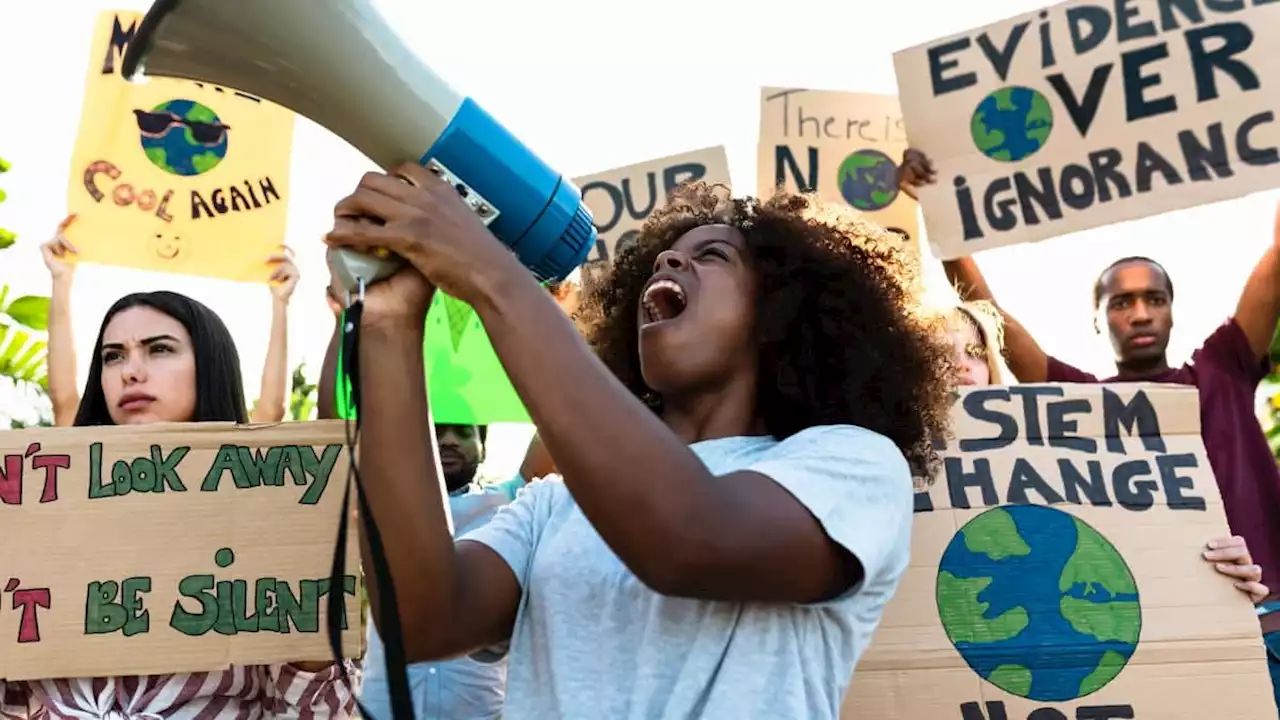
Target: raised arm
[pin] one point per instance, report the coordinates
(537, 461)
(450, 599)
(64, 394)
(1029, 363)
(274, 393)
(1026, 359)
(1258, 310)
(327, 387)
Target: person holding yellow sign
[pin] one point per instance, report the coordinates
(65, 398)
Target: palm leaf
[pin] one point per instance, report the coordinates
(22, 355)
(29, 310)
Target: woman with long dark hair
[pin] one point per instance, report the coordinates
(163, 357)
(64, 397)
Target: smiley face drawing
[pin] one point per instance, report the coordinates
(166, 247)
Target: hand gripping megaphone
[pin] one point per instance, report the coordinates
(338, 63)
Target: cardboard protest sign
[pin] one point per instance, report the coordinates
(466, 383)
(622, 199)
(1088, 113)
(1056, 570)
(175, 176)
(843, 146)
(170, 548)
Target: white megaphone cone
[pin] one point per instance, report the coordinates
(338, 63)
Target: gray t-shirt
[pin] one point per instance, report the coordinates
(591, 641)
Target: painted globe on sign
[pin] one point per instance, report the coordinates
(868, 180)
(178, 150)
(1038, 603)
(1011, 124)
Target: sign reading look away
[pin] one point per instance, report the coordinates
(843, 146)
(622, 199)
(170, 548)
(1089, 113)
(175, 176)
(1057, 573)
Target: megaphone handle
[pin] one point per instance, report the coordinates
(352, 267)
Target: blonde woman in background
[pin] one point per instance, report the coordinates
(978, 334)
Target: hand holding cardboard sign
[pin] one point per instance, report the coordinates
(916, 170)
(1231, 557)
(56, 250)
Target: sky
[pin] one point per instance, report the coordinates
(591, 90)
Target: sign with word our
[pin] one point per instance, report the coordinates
(843, 146)
(1057, 573)
(170, 548)
(1087, 113)
(176, 176)
(622, 199)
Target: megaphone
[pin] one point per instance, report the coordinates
(338, 63)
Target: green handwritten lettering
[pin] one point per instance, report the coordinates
(167, 468)
(195, 624)
(228, 458)
(319, 468)
(262, 469)
(97, 489)
(129, 616)
(291, 462)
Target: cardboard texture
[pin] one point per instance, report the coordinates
(170, 548)
(175, 176)
(1083, 115)
(623, 198)
(843, 146)
(1056, 571)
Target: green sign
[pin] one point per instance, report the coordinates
(466, 383)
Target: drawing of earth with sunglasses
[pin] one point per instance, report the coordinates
(182, 137)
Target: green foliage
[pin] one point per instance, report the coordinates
(6, 238)
(1271, 386)
(23, 346)
(302, 395)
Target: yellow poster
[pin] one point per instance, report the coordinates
(175, 176)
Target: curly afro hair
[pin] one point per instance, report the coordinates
(841, 336)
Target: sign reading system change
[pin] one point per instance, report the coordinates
(1090, 113)
(1057, 573)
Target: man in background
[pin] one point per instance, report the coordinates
(1133, 299)
(464, 688)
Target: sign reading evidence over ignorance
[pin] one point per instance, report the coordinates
(1057, 574)
(170, 548)
(1090, 113)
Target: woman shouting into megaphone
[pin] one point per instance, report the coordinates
(737, 439)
